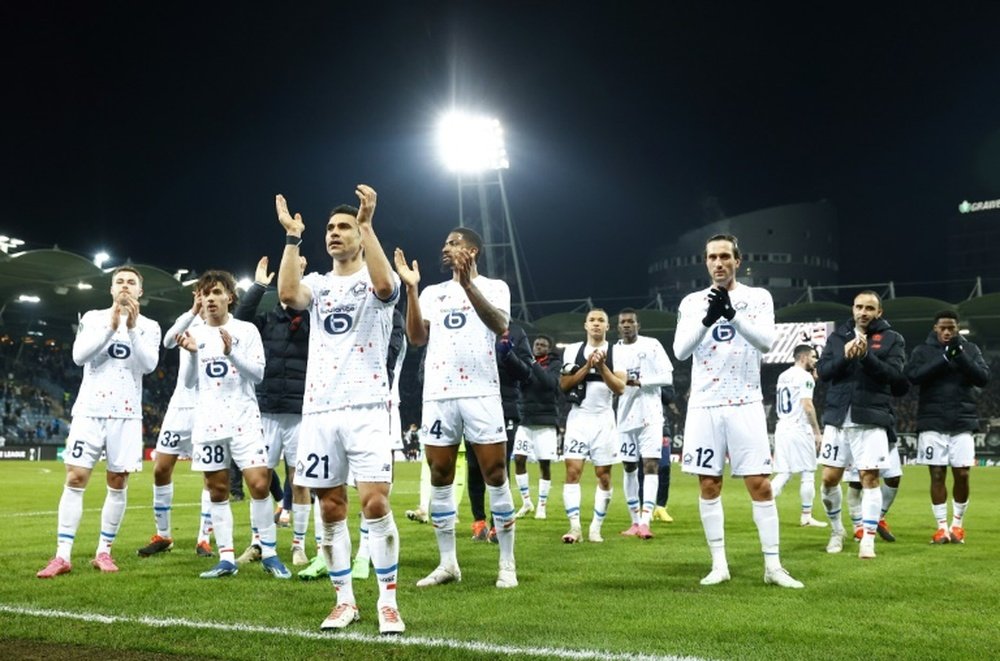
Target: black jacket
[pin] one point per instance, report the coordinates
(541, 395)
(285, 334)
(514, 369)
(947, 387)
(865, 386)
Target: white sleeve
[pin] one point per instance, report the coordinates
(248, 355)
(91, 337)
(189, 371)
(146, 345)
(690, 331)
(756, 324)
(181, 325)
(663, 369)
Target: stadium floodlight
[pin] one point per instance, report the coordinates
(7, 243)
(471, 143)
(28, 298)
(100, 258)
(244, 283)
(179, 273)
(84, 285)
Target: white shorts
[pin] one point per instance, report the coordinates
(119, 438)
(536, 442)
(739, 431)
(645, 442)
(863, 447)
(894, 469)
(794, 449)
(942, 449)
(281, 437)
(175, 433)
(478, 419)
(591, 436)
(247, 450)
(333, 444)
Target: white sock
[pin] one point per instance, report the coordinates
(442, 513)
(871, 506)
(630, 485)
(650, 483)
(778, 483)
(364, 539)
(163, 498)
(765, 515)
(337, 552)
(205, 529)
(318, 524)
(70, 513)
(222, 524)
(111, 518)
(807, 493)
(300, 523)
(832, 499)
(713, 520)
(524, 486)
(602, 499)
(854, 498)
(502, 509)
(941, 515)
(958, 513)
(543, 492)
(571, 499)
(384, 539)
(262, 517)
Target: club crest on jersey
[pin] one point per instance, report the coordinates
(688, 459)
(119, 350)
(740, 305)
(723, 333)
(360, 288)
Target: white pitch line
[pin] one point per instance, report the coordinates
(13, 515)
(409, 641)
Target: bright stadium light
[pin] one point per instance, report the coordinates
(28, 298)
(84, 285)
(8, 243)
(100, 258)
(244, 283)
(471, 143)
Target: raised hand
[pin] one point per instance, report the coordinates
(461, 264)
(196, 305)
(292, 225)
(410, 275)
(186, 341)
(227, 341)
(116, 315)
(131, 308)
(366, 204)
(261, 276)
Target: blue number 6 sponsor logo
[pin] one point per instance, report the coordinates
(338, 323)
(119, 350)
(723, 333)
(454, 320)
(217, 369)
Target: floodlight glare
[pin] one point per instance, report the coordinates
(471, 144)
(28, 298)
(84, 285)
(100, 258)
(244, 284)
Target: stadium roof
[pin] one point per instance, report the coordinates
(68, 284)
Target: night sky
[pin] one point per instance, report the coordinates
(162, 133)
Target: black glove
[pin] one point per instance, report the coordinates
(716, 307)
(727, 306)
(953, 349)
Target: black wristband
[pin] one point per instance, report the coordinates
(292, 240)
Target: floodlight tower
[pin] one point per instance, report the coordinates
(472, 147)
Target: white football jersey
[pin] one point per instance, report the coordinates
(226, 404)
(348, 341)
(113, 364)
(646, 361)
(725, 368)
(183, 397)
(461, 360)
(599, 395)
(794, 385)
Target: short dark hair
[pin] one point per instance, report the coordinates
(946, 314)
(344, 208)
(725, 237)
(470, 236)
(547, 338)
(130, 269)
(869, 292)
(801, 349)
(628, 311)
(224, 278)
